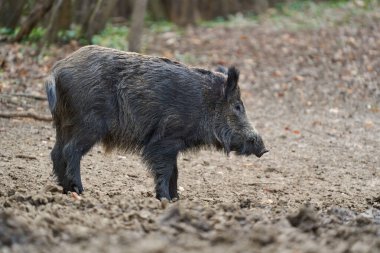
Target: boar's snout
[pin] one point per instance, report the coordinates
(248, 146)
(260, 154)
(259, 148)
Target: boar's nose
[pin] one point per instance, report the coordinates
(260, 154)
(259, 147)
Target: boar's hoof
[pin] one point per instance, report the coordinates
(174, 195)
(78, 188)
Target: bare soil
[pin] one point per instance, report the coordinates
(313, 94)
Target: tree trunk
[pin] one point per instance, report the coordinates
(53, 26)
(37, 13)
(260, 6)
(184, 12)
(124, 9)
(156, 9)
(82, 11)
(134, 37)
(65, 16)
(59, 20)
(10, 13)
(98, 19)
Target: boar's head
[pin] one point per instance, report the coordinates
(232, 128)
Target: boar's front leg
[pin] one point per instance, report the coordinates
(161, 157)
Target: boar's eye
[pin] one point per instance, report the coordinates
(239, 108)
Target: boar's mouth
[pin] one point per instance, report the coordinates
(249, 151)
(252, 146)
(260, 154)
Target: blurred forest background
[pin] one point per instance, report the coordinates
(61, 21)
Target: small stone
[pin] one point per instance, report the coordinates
(11, 192)
(164, 203)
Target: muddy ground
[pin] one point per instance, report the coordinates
(313, 94)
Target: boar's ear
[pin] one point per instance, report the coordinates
(232, 82)
(222, 70)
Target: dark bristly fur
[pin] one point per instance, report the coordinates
(146, 105)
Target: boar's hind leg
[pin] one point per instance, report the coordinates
(73, 151)
(162, 158)
(173, 183)
(59, 164)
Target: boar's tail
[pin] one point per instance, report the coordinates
(51, 93)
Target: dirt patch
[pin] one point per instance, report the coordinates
(314, 95)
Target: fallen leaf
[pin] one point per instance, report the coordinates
(75, 196)
(299, 78)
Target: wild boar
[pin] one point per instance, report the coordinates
(151, 106)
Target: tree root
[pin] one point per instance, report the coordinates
(25, 95)
(31, 115)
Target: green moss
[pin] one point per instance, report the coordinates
(36, 34)
(162, 26)
(300, 14)
(71, 34)
(112, 36)
(294, 15)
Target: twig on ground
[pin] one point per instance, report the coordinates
(259, 183)
(25, 115)
(26, 157)
(26, 95)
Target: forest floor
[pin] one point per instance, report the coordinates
(312, 93)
